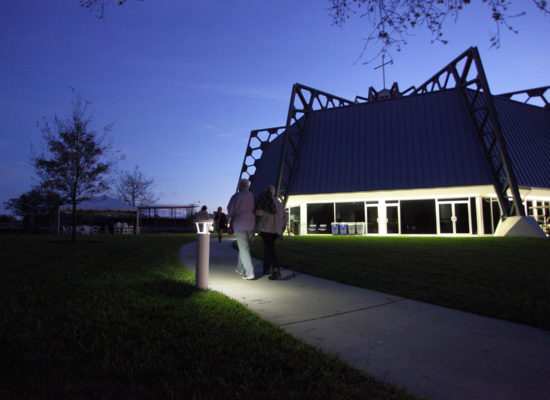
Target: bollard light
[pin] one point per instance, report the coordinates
(203, 254)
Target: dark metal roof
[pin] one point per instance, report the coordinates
(267, 167)
(526, 130)
(418, 141)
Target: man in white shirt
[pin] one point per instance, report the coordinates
(243, 219)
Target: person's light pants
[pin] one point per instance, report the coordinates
(244, 238)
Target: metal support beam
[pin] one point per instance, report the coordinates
(303, 101)
(257, 143)
(536, 93)
(466, 74)
(384, 94)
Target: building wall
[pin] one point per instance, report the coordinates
(455, 211)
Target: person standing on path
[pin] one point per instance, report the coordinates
(202, 215)
(240, 211)
(271, 225)
(220, 223)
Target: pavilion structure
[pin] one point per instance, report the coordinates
(166, 218)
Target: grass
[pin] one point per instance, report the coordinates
(505, 278)
(119, 317)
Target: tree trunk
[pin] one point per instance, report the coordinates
(73, 233)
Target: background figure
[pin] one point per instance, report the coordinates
(241, 214)
(202, 215)
(220, 223)
(271, 225)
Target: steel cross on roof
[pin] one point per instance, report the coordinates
(383, 68)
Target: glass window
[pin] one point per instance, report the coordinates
(462, 224)
(294, 220)
(491, 215)
(392, 214)
(320, 216)
(496, 213)
(446, 218)
(530, 208)
(473, 211)
(372, 219)
(418, 216)
(538, 211)
(350, 212)
(453, 200)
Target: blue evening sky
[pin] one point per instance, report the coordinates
(186, 81)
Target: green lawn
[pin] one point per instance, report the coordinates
(506, 278)
(118, 317)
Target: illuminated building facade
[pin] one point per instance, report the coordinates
(446, 158)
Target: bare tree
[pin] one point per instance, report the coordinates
(135, 189)
(76, 160)
(98, 6)
(391, 21)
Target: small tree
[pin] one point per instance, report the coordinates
(76, 161)
(37, 207)
(135, 189)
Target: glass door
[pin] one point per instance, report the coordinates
(462, 218)
(294, 221)
(454, 217)
(372, 218)
(392, 217)
(446, 218)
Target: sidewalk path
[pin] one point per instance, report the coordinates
(432, 351)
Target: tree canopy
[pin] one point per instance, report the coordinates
(37, 207)
(389, 22)
(76, 161)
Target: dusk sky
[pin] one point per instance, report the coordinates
(186, 81)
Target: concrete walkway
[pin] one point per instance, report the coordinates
(432, 351)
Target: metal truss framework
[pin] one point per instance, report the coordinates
(536, 93)
(385, 94)
(466, 73)
(303, 101)
(257, 142)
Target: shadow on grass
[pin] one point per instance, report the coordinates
(167, 288)
(78, 241)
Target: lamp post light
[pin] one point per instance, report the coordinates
(203, 254)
